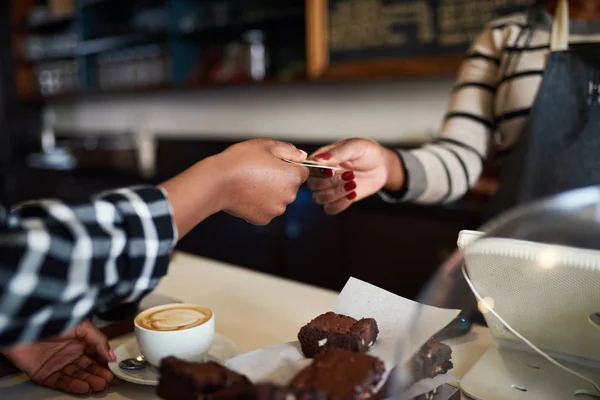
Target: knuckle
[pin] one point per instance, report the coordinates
(293, 178)
(266, 142)
(304, 176)
(329, 210)
(317, 198)
(300, 178)
(291, 197)
(280, 209)
(289, 145)
(258, 220)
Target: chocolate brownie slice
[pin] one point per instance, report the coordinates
(266, 392)
(181, 380)
(336, 330)
(340, 374)
(433, 359)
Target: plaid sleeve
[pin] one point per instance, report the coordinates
(58, 262)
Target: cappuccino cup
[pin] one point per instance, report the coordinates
(185, 331)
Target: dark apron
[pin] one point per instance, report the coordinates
(559, 148)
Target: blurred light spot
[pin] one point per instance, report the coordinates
(486, 304)
(547, 258)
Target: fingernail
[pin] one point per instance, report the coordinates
(350, 186)
(328, 173)
(351, 196)
(112, 355)
(324, 156)
(348, 176)
(305, 154)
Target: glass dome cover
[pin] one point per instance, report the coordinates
(532, 275)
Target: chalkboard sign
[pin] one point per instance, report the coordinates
(374, 29)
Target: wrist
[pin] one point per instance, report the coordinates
(395, 176)
(216, 175)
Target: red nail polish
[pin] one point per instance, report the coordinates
(328, 173)
(348, 176)
(112, 355)
(350, 186)
(351, 196)
(324, 156)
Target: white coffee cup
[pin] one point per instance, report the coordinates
(185, 331)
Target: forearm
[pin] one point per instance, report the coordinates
(436, 173)
(194, 194)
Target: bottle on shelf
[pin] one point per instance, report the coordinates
(60, 77)
(133, 67)
(256, 57)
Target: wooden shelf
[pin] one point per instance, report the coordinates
(322, 65)
(114, 42)
(162, 89)
(87, 3)
(53, 56)
(393, 68)
(250, 24)
(49, 21)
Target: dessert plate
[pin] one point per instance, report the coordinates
(222, 349)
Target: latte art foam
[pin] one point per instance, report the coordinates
(173, 318)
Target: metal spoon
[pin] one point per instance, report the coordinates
(133, 363)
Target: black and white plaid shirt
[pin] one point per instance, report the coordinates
(58, 262)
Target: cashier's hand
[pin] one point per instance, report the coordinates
(70, 362)
(259, 184)
(366, 168)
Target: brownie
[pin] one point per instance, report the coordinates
(266, 392)
(336, 330)
(340, 374)
(181, 380)
(433, 359)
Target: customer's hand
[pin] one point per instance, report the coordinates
(68, 362)
(249, 180)
(258, 184)
(367, 167)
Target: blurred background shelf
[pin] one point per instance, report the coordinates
(89, 73)
(183, 43)
(116, 42)
(87, 3)
(158, 89)
(48, 21)
(148, 45)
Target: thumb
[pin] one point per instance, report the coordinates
(340, 153)
(92, 336)
(288, 151)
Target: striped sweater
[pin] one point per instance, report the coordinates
(495, 90)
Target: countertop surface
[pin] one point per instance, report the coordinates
(253, 309)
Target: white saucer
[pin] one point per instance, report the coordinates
(222, 349)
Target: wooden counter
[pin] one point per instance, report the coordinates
(254, 309)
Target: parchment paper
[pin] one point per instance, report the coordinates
(401, 322)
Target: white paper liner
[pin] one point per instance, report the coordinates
(397, 318)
